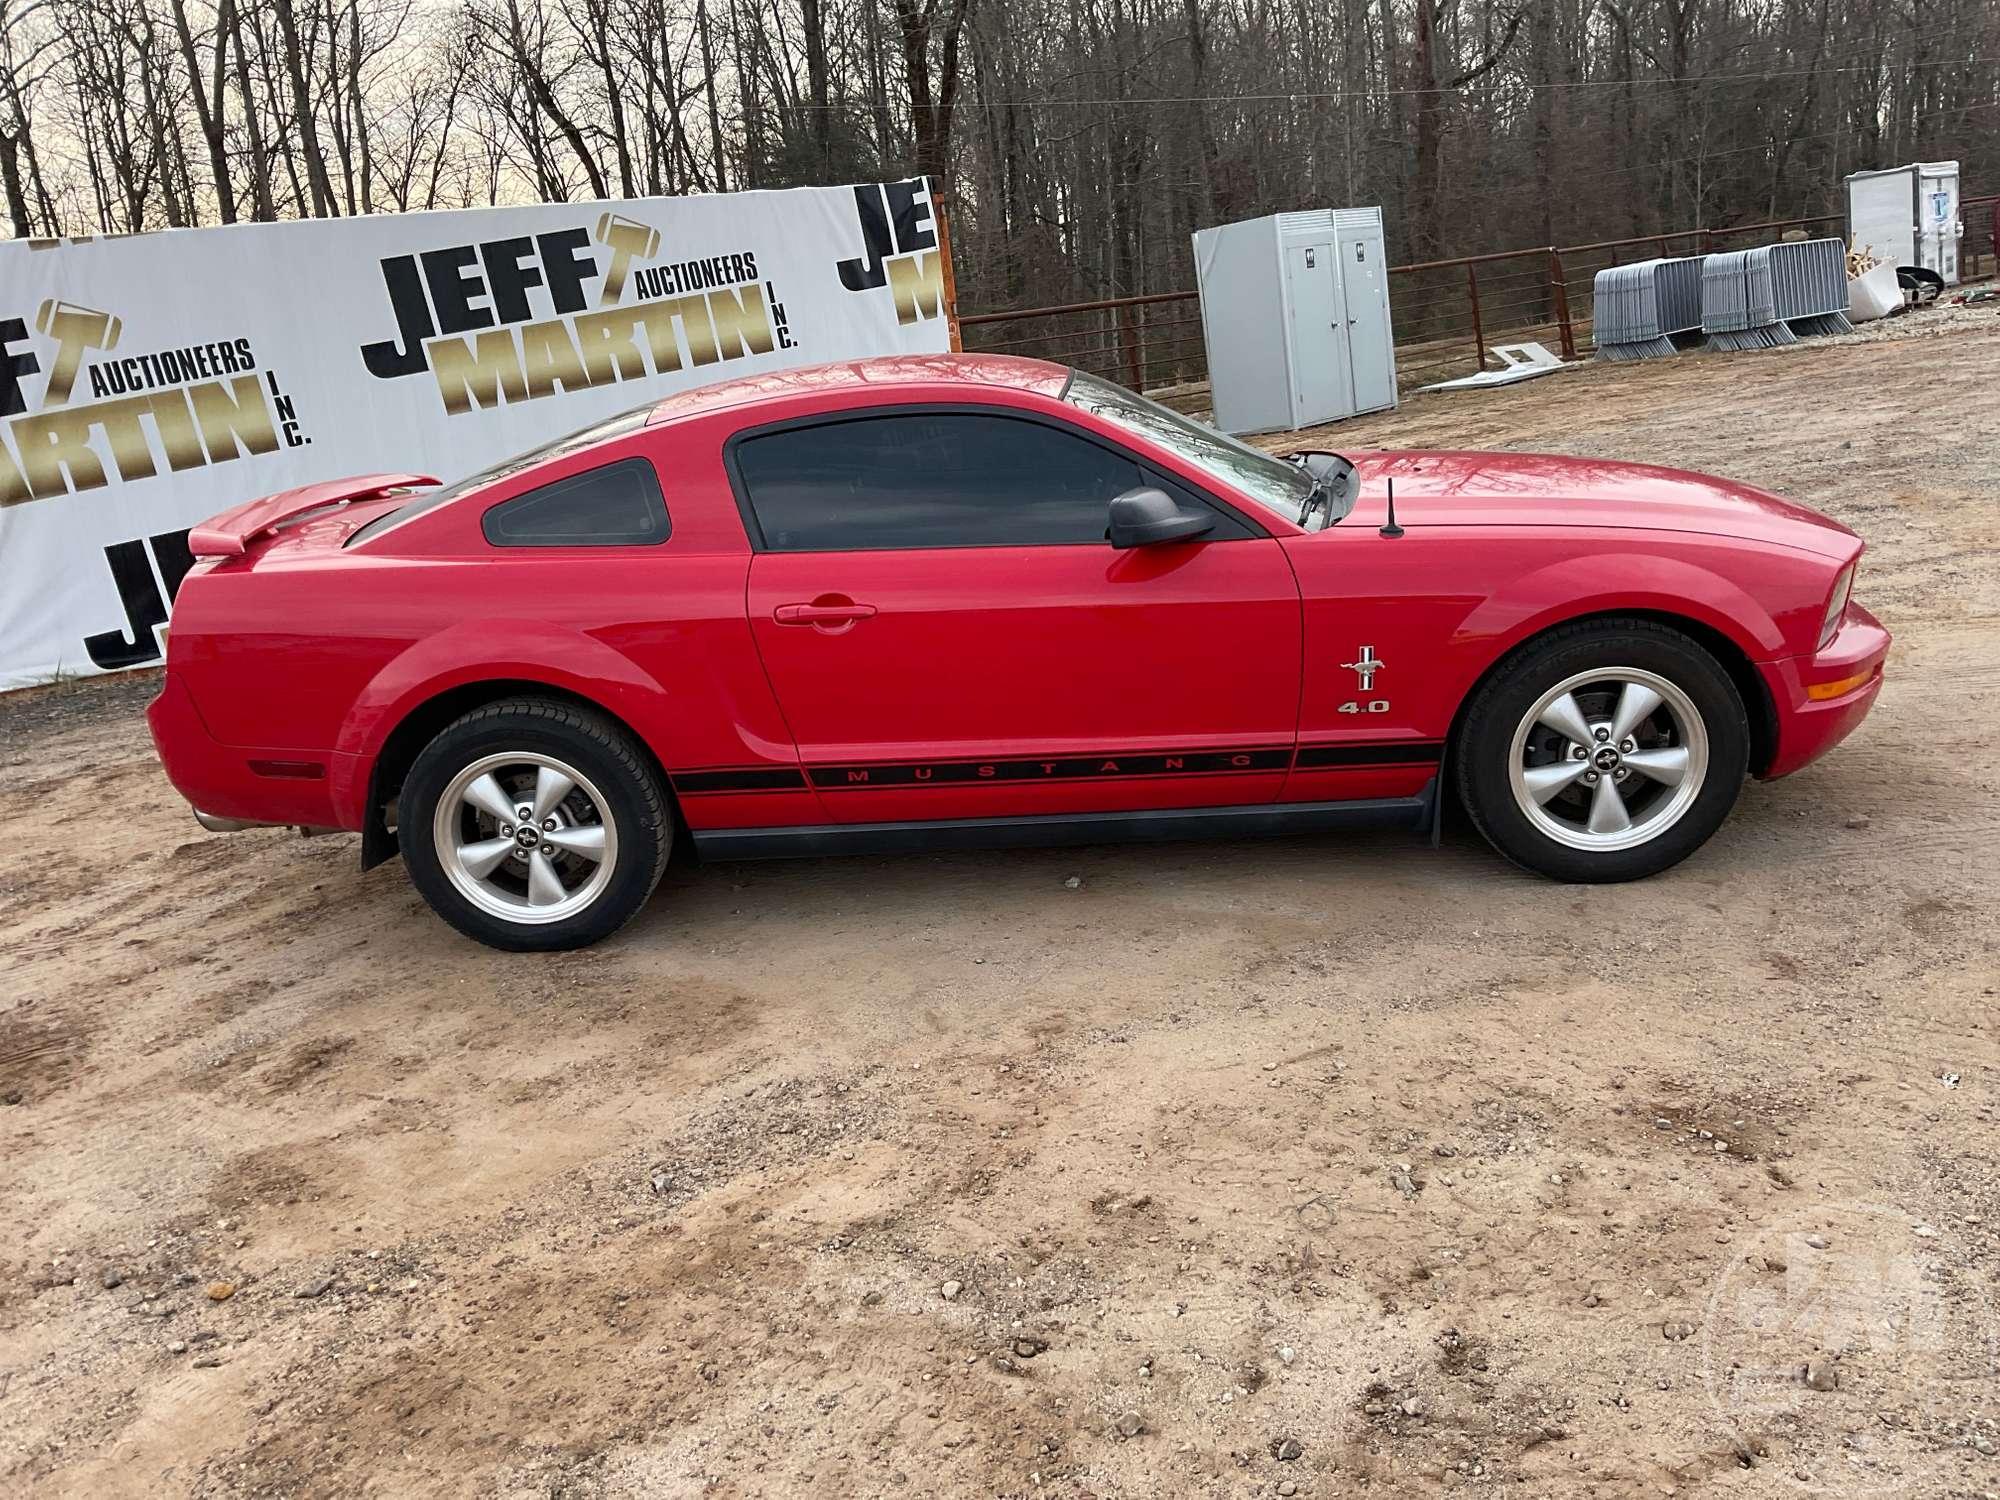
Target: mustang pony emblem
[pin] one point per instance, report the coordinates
(1366, 667)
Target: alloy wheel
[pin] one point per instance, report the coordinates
(1608, 759)
(525, 837)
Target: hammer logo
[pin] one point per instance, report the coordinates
(627, 239)
(76, 330)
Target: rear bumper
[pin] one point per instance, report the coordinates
(1821, 698)
(233, 785)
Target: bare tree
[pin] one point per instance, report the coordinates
(1079, 141)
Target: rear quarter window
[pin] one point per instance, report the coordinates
(598, 432)
(618, 505)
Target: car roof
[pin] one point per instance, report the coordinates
(887, 372)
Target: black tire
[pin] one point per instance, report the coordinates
(1485, 749)
(635, 809)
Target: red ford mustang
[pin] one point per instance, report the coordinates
(935, 602)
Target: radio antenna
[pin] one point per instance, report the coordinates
(1392, 529)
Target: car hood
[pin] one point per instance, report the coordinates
(1542, 489)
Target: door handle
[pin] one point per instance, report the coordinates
(822, 612)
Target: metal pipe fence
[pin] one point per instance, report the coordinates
(1445, 313)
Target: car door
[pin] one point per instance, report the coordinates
(950, 635)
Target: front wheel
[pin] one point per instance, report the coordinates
(1603, 751)
(532, 824)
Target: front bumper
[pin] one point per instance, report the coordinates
(1816, 706)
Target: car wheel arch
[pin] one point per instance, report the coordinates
(1728, 652)
(1624, 583)
(422, 721)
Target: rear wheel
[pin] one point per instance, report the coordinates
(532, 824)
(1608, 750)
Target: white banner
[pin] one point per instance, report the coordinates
(150, 381)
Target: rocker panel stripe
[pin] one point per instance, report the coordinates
(869, 776)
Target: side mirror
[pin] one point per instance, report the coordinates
(1141, 517)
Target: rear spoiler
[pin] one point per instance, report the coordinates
(226, 535)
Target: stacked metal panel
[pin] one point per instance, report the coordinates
(1739, 301)
(1810, 281)
(1625, 313)
(1679, 281)
(1639, 309)
(1681, 295)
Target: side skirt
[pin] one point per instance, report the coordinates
(1256, 821)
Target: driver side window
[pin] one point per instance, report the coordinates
(929, 479)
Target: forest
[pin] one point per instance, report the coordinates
(1076, 142)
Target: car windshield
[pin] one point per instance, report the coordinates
(1271, 482)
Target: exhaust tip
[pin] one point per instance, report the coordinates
(215, 824)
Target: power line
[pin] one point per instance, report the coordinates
(1316, 96)
(1770, 144)
(1181, 180)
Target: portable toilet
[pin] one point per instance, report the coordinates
(1907, 216)
(1295, 316)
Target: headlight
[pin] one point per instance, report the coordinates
(1836, 604)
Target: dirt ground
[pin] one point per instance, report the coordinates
(1318, 1167)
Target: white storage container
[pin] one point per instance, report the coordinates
(1295, 314)
(1908, 216)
